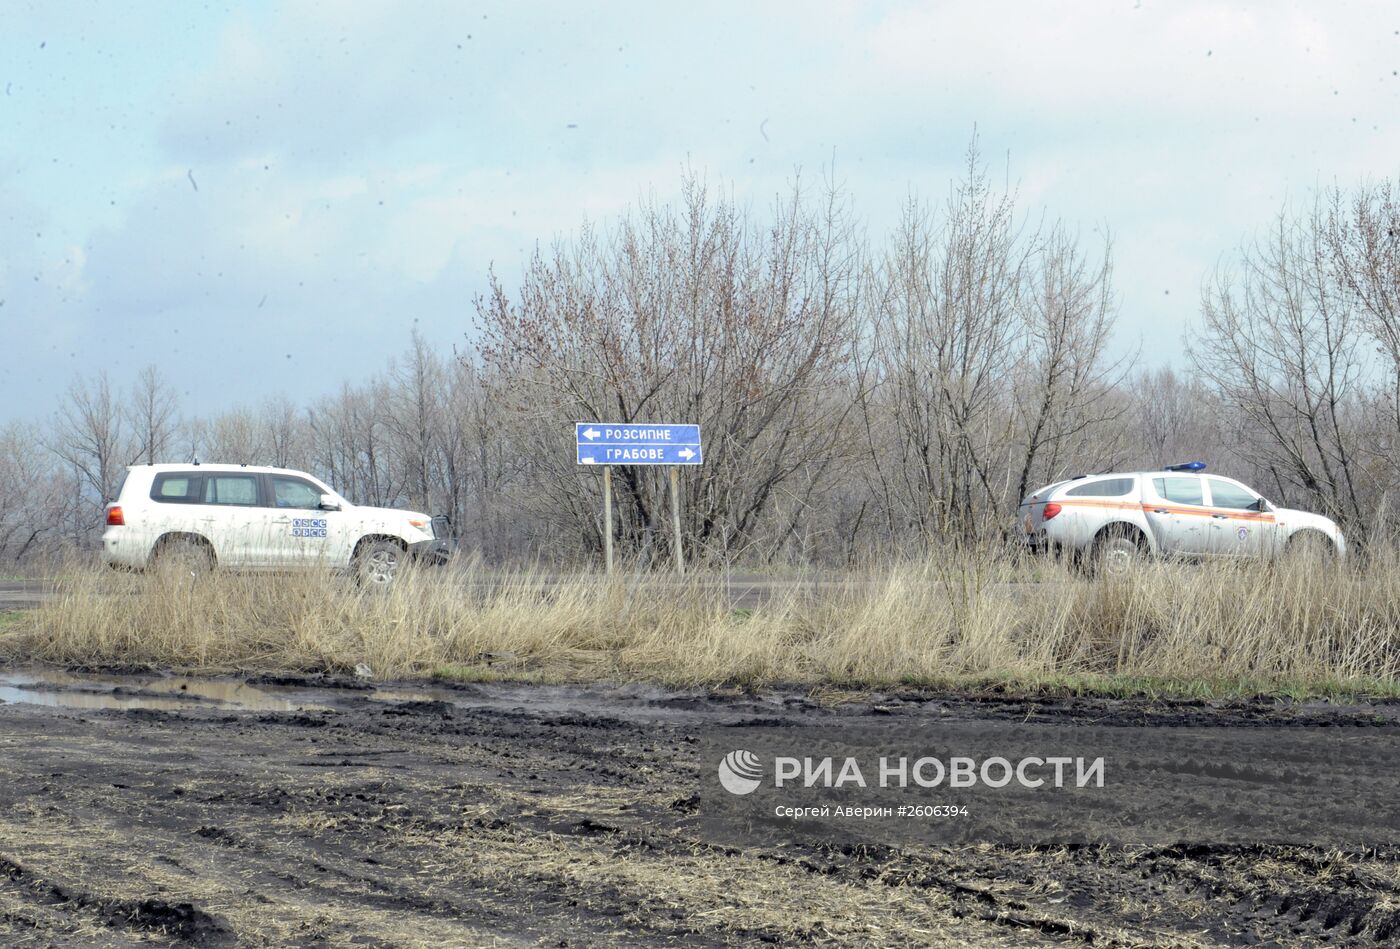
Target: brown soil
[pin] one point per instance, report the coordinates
(505, 815)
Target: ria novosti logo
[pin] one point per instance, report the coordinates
(740, 772)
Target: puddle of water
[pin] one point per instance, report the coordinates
(67, 690)
(536, 698)
(414, 695)
(58, 689)
(630, 702)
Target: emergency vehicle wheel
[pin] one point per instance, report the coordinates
(1116, 552)
(1308, 546)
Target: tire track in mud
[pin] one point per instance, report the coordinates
(178, 922)
(429, 822)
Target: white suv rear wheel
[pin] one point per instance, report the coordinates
(180, 556)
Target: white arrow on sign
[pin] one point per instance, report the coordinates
(591, 433)
(686, 453)
(590, 461)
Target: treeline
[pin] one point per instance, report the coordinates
(857, 397)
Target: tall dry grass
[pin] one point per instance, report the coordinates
(952, 617)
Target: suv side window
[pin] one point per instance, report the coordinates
(1107, 488)
(1179, 490)
(1231, 496)
(182, 487)
(231, 489)
(121, 483)
(296, 493)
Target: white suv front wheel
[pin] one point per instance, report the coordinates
(377, 563)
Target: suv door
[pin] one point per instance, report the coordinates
(303, 534)
(233, 520)
(1238, 527)
(1178, 514)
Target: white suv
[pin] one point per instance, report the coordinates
(1115, 519)
(199, 516)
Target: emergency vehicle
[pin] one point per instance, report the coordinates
(1111, 521)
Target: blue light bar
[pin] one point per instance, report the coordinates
(1188, 466)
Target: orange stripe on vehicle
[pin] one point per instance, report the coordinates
(1077, 502)
(1210, 512)
(1169, 508)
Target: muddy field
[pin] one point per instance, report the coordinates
(300, 812)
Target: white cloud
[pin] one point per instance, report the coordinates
(1180, 59)
(360, 164)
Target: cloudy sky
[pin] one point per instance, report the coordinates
(268, 197)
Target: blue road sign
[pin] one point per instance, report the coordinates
(610, 443)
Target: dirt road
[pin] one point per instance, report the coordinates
(292, 813)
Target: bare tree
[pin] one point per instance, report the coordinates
(1280, 341)
(352, 444)
(413, 416)
(852, 402)
(150, 412)
(285, 434)
(32, 494)
(1063, 397)
(1168, 418)
(946, 314)
(485, 470)
(89, 438)
(693, 313)
(236, 437)
(1364, 238)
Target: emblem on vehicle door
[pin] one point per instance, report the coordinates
(308, 527)
(1243, 532)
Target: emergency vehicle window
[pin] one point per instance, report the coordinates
(292, 492)
(1179, 490)
(1232, 496)
(1108, 488)
(231, 489)
(176, 489)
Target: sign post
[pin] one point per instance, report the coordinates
(613, 443)
(607, 519)
(676, 519)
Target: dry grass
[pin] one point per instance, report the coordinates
(954, 619)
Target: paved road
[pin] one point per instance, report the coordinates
(21, 594)
(745, 590)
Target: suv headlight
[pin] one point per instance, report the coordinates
(423, 524)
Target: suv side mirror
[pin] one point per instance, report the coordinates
(329, 503)
(1261, 505)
